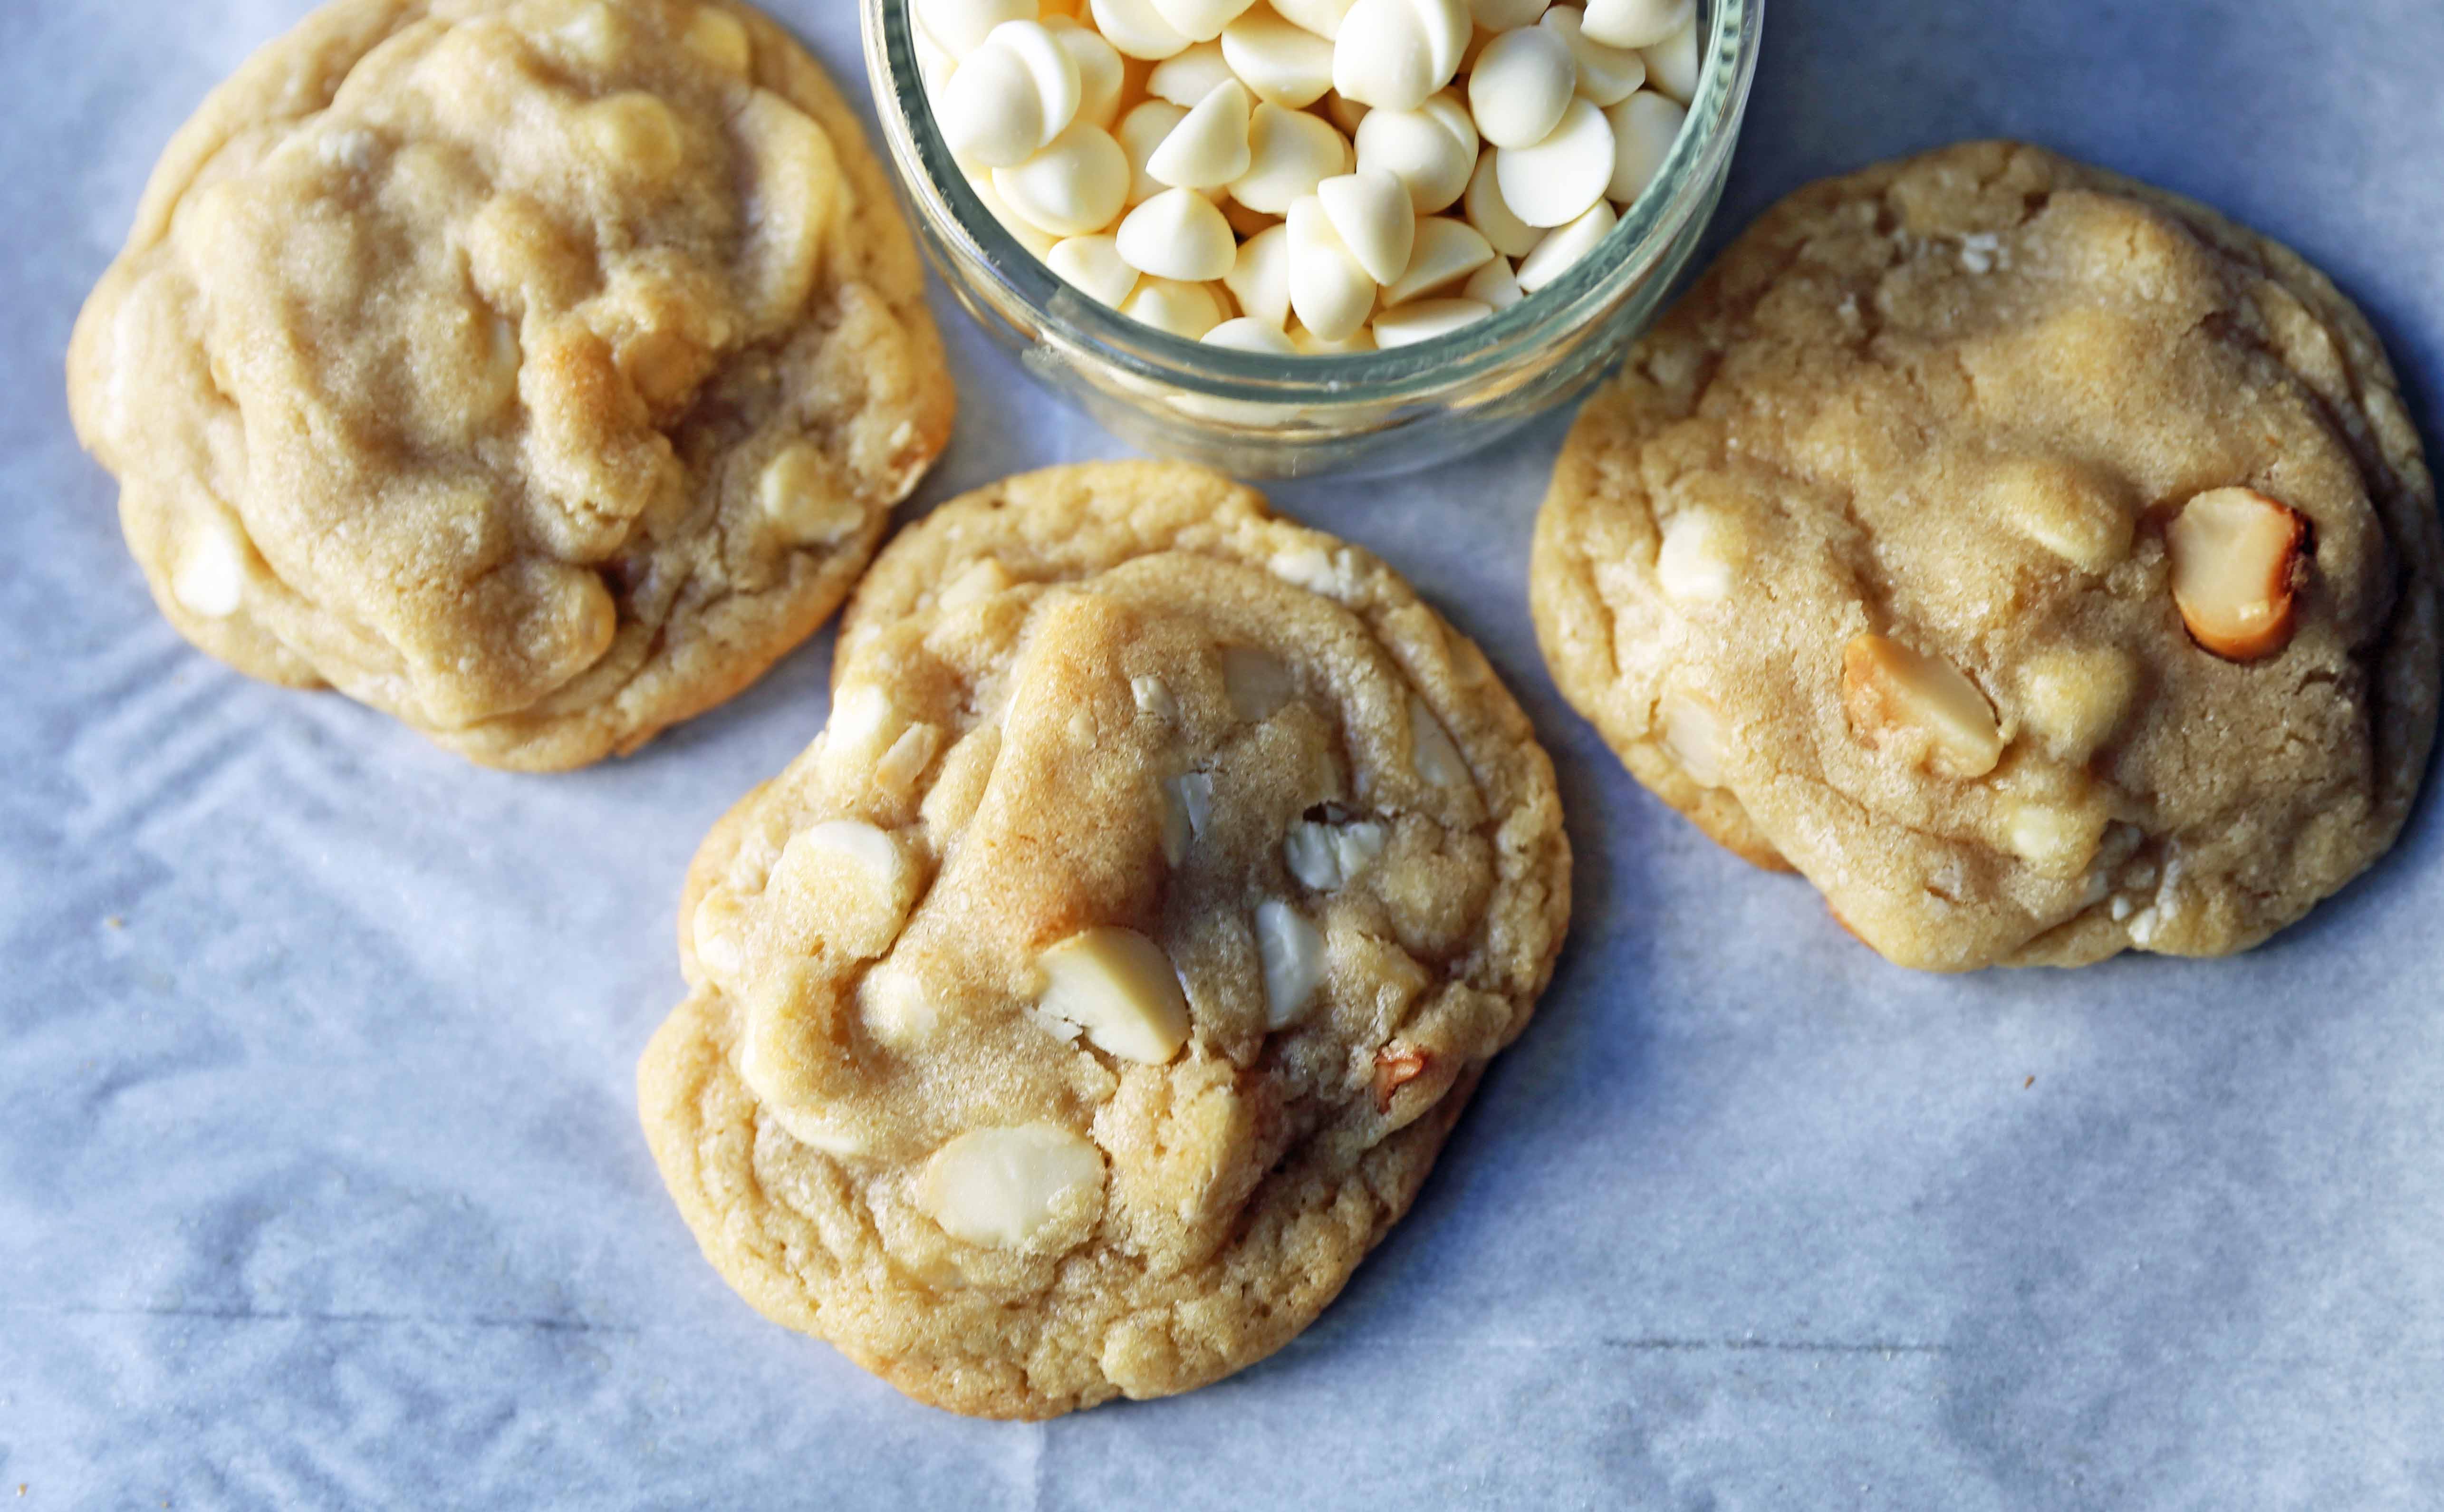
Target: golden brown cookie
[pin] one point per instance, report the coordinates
(2041, 563)
(1076, 1013)
(538, 371)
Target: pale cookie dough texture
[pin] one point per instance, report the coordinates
(538, 372)
(1869, 561)
(1074, 1015)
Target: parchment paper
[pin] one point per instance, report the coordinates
(320, 1182)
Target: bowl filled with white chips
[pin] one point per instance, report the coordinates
(1292, 237)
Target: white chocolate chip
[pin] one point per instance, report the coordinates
(896, 1007)
(1094, 265)
(960, 26)
(1190, 76)
(1292, 955)
(1283, 64)
(1495, 285)
(1201, 20)
(1694, 561)
(715, 932)
(1507, 233)
(1185, 310)
(1424, 320)
(1140, 132)
(1101, 75)
(1154, 698)
(2074, 699)
(1392, 54)
(981, 580)
(1119, 987)
(1692, 734)
(1323, 17)
(1034, 238)
(210, 578)
(1607, 75)
(1325, 856)
(1137, 28)
(720, 38)
(1432, 149)
(1329, 287)
(1075, 187)
(1310, 344)
(1247, 334)
(1371, 213)
(1503, 15)
(1672, 64)
(1290, 153)
(1177, 234)
(1644, 126)
(800, 492)
(1003, 1186)
(1011, 97)
(1637, 23)
(1556, 180)
(906, 759)
(1446, 251)
(1260, 277)
(1256, 682)
(2059, 840)
(855, 880)
(1432, 752)
(1522, 81)
(1561, 248)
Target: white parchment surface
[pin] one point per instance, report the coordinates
(320, 1179)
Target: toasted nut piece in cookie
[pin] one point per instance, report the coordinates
(1323, 857)
(1917, 706)
(2236, 555)
(1293, 957)
(852, 876)
(1007, 1186)
(1436, 758)
(1396, 1066)
(1119, 987)
(1188, 805)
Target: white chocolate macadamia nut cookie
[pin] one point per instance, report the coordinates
(538, 371)
(2041, 563)
(1074, 1015)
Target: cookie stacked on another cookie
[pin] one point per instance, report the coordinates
(2041, 563)
(1082, 1006)
(538, 371)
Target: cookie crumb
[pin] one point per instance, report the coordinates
(2026, 1085)
(114, 922)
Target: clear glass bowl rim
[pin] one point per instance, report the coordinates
(1424, 372)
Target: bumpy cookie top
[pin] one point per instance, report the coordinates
(1077, 1011)
(2041, 565)
(537, 370)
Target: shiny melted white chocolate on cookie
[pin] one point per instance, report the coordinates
(2041, 565)
(1078, 1010)
(535, 370)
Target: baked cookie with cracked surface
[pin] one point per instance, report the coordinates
(538, 371)
(1074, 1015)
(2041, 563)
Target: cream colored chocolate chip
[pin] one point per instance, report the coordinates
(1260, 278)
(1393, 54)
(210, 578)
(981, 580)
(1695, 563)
(1495, 285)
(1185, 310)
(1117, 987)
(960, 26)
(1290, 153)
(1323, 17)
(1325, 856)
(1101, 75)
(1210, 145)
(1692, 734)
(2236, 556)
(1292, 954)
(1093, 264)
(1426, 319)
(1607, 75)
(904, 760)
(1672, 64)
(1005, 1187)
(1201, 20)
(1433, 753)
(1371, 213)
(2064, 508)
(2074, 699)
(1561, 248)
(716, 931)
(1188, 76)
(1918, 707)
(855, 880)
(896, 1007)
(1279, 61)
(1075, 187)
(813, 1129)
(2058, 839)
(1137, 28)
(1256, 682)
(1177, 234)
(1011, 97)
(1445, 251)
(1246, 334)
(1432, 149)
(1637, 23)
(1145, 129)
(800, 493)
(1644, 126)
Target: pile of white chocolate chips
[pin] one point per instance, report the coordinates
(1308, 176)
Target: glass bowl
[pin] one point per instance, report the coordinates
(1256, 416)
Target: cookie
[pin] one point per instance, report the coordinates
(2041, 563)
(1075, 1014)
(538, 371)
